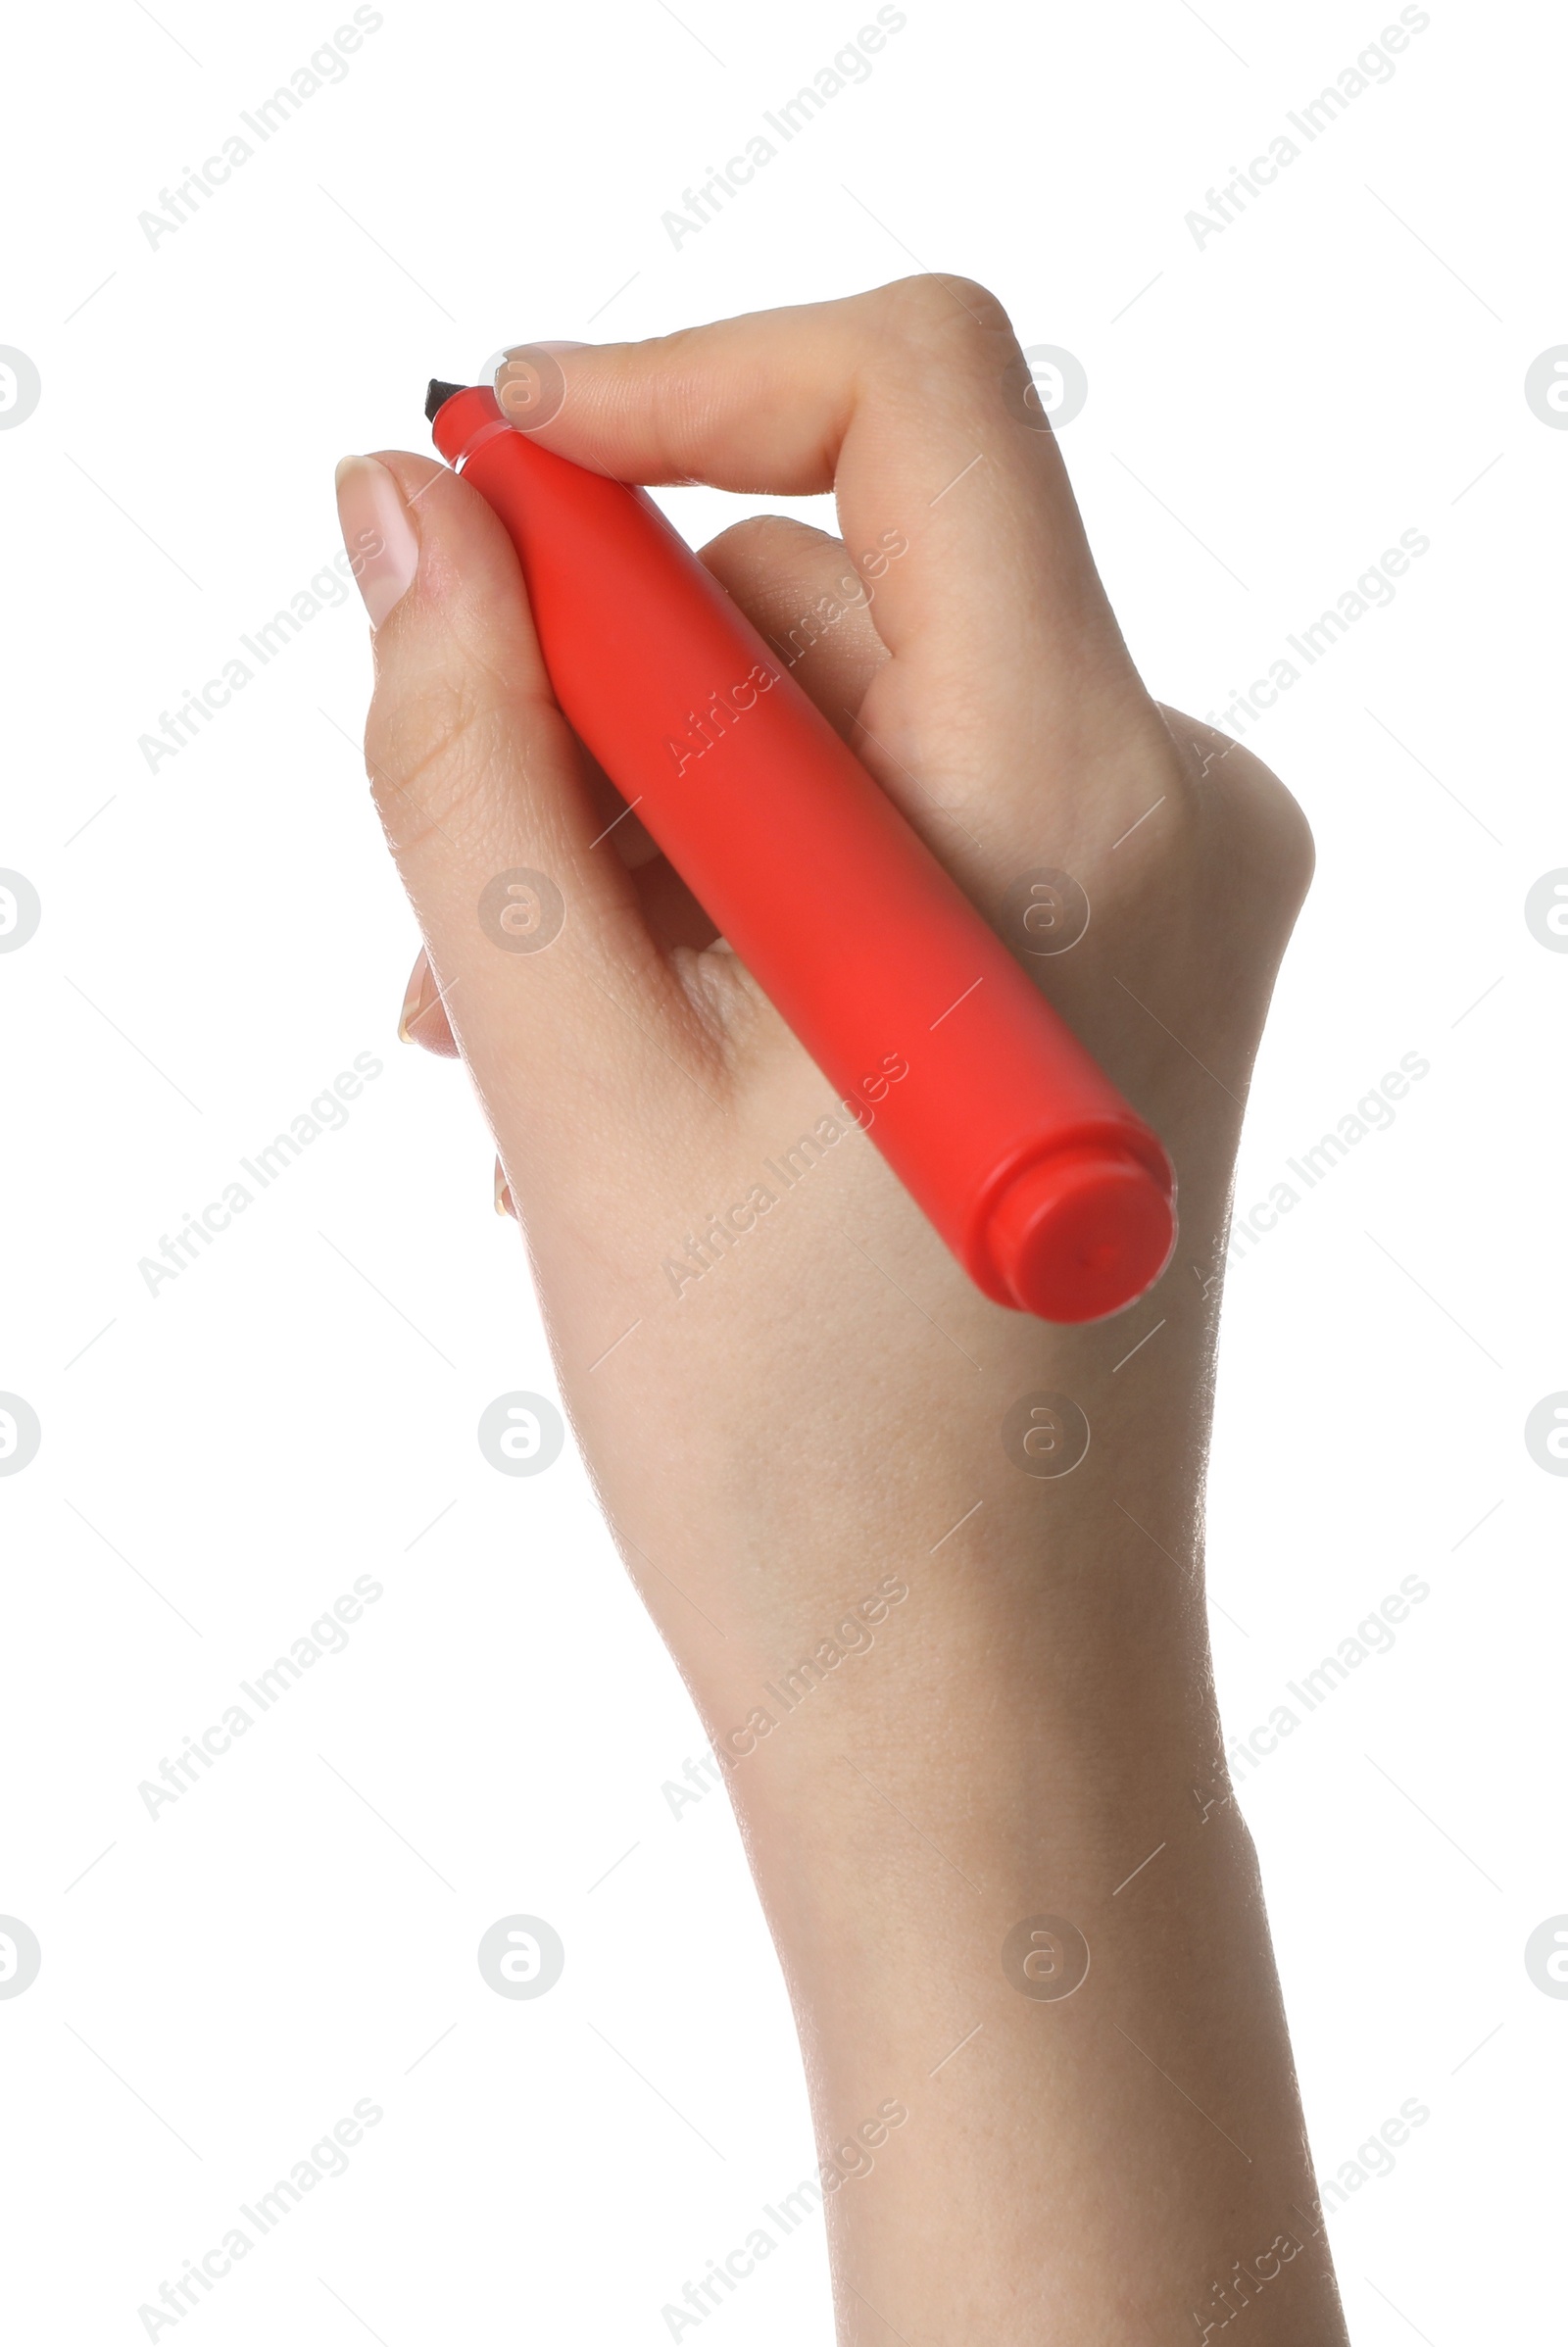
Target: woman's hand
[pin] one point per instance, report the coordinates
(783, 1421)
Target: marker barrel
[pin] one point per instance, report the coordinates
(1056, 1197)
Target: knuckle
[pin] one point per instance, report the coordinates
(433, 765)
(670, 377)
(956, 314)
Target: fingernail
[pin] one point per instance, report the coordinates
(418, 997)
(422, 1019)
(503, 1204)
(383, 548)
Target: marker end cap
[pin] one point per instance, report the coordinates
(1077, 1238)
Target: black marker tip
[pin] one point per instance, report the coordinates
(437, 397)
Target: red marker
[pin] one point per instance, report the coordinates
(1056, 1197)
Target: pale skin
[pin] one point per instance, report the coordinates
(820, 1410)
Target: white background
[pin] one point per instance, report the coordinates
(1266, 414)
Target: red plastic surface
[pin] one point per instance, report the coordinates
(1056, 1197)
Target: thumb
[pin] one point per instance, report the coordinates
(556, 992)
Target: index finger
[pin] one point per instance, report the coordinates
(912, 404)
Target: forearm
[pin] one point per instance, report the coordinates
(1105, 2157)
